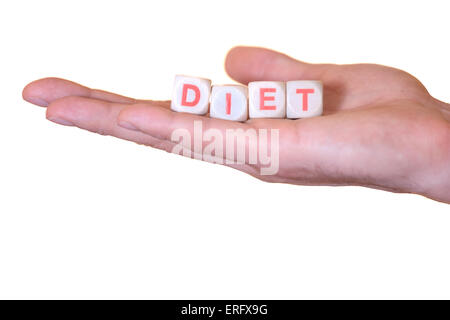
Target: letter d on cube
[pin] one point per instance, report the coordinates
(191, 95)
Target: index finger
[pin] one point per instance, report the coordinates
(210, 139)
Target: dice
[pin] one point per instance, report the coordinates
(191, 95)
(229, 102)
(262, 99)
(304, 99)
(267, 99)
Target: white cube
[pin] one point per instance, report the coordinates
(267, 99)
(304, 99)
(191, 94)
(229, 102)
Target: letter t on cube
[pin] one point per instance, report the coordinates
(304, 99)
(191, 95)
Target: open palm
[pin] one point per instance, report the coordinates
(380, 127)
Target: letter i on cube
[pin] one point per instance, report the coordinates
(304, 99)
(229, 102)
(191, 95)
(267, 99)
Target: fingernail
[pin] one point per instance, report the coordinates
(127, 125)
(38, 101)
(61, 121)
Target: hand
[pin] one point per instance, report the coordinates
(380, 127)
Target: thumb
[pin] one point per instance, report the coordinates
(246, 64)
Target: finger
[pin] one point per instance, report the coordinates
(44, 91)
(197, 133)
(160, 122)
(246, 64)
(94, 115)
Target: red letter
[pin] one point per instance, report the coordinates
(192, 103)
(305, 97)
(263, 98)
(228, 97)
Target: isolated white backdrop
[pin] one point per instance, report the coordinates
(88, 216)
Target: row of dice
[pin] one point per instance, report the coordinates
(261, 99)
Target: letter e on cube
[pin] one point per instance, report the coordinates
(267, 99)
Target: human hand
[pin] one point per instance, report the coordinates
(380, 127)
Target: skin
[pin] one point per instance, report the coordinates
(380, 128)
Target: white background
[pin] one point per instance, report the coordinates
(89, 216)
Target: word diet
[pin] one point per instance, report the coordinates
(261, 99)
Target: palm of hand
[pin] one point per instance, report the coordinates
(380, 127)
